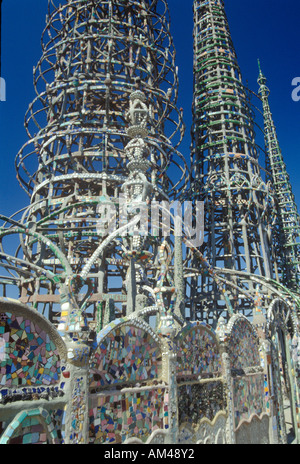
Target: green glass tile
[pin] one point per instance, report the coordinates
(27, 438)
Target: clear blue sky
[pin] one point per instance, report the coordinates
(264, 29)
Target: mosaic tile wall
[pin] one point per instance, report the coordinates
(120, 392)
(126, 354)
(243, 346)
(78, 411)
(115, 417)
(27, 354)
(197, 353)
(248, 393)
(198, 401)
(267, 394)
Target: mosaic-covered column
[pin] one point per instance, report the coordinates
(76, 427)
(221, 332)
(169, 359)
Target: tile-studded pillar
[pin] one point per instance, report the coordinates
(76, 426)
(169, 359)
(222, 336)
(230, 435)
(273, 430)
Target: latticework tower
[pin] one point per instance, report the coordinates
(96, 54)
(287, 231)
(225, 171)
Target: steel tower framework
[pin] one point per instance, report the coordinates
(225, 172)
(288, 222)
(105, 114)
(80, 162)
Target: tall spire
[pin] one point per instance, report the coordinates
(225, 170)
(287, 232)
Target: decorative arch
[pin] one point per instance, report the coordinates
(201, 397)
(127, 351)
(127, 354)
(280, 315)
(281, 332)
(242, 343)
(33, 426)
(247, 379)
(198, 351)
(31, 349)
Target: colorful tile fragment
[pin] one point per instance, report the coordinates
(33, 426)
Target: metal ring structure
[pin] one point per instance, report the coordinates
(95, 54)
